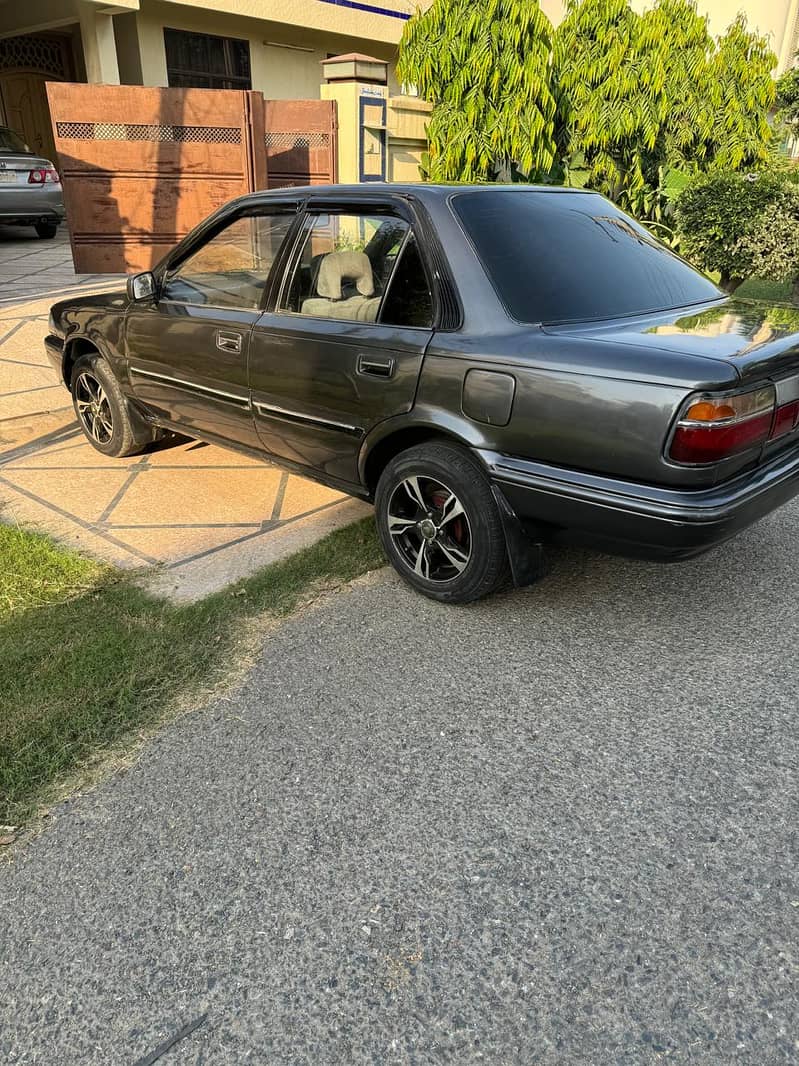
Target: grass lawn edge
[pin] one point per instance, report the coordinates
(92, 664)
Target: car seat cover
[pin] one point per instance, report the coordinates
(336, 266)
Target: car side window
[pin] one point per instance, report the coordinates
(408, 301)
(345, 266)
(230, 269)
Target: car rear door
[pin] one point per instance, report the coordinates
(342, 347)
(187, 347)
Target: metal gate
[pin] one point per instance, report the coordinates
(300, 137)
(142, 166)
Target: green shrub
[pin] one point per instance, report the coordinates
(717, 211)
(772, 245)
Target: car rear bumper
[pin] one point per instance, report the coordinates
(646, 521)
(28, 205)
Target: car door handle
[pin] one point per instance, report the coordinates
(378, 368)
(228, 342)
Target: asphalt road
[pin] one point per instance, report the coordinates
(557, 827)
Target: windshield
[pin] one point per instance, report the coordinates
(560, 257)
(11, 142)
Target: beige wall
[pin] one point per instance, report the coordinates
(285, 60)
(309, 15)
(406, 120)
(33, 16)
(288, 38)
(128, 52)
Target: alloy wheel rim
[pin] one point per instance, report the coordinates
(430, 529)
(94, 409)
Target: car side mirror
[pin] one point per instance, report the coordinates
(141, 286)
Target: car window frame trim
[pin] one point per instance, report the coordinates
(402, 207)
(410, 234)
(214, 225)
(304, 236)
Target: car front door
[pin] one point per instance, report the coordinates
(343, 346)
(187, 347)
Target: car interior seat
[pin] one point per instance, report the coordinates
(345, 288)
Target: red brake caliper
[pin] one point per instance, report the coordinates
(454, 529)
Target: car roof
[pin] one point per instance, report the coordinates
(422, 190)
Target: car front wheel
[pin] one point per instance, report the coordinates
(102, 410)
(439, 524)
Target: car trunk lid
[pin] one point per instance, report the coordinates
(759, 340)
(16, 166)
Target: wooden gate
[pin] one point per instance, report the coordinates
(142, 166)
(300, 138)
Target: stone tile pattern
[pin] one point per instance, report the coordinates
(173, 505)
(30, 267)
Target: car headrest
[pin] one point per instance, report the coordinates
(336, 266)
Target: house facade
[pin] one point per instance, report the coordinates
(274, 46)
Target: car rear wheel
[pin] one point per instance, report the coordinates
(439, 524)
(103, 411)
(46, 230)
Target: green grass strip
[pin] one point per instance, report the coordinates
(87, 658)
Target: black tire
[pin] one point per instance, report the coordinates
(472, 538)
(104, 415)
(46, 230)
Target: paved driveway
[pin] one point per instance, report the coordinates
(202, 515)
(32, 267)
(559, 827)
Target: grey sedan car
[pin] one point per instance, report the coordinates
(494, 366)
(30, 187)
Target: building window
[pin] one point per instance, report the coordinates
(201, 61)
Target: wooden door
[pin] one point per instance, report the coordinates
(300, 138)
(27, 63)
(142, 166)
(24, 98)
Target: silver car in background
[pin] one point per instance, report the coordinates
(30, 187)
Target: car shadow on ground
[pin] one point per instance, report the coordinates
(689, 599)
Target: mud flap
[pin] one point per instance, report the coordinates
(525, 553)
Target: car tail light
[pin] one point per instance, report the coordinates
(785, 420)
(713, 427)
(43, 174)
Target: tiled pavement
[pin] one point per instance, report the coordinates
(202, 515)
(33, 267)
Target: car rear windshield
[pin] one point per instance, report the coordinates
(10, 142)
(570, 257)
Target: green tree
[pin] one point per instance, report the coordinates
(689, 88)
(641, 94)
(611, 79)
(787, 102)
(486, 67)
(628, 104)
(744, 94)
